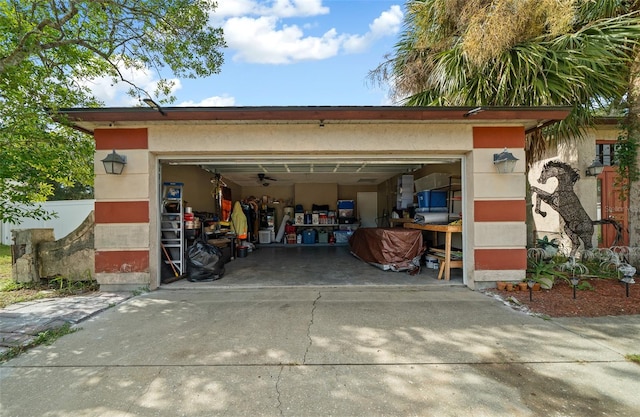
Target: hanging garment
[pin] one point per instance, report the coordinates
(225, 213)
(239, 221)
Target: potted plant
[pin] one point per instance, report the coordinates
(543, 272)
(550, 247)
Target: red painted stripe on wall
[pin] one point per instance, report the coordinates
(500, 211)
(122, 211)
(499, 137)
(500, 259)
(122, 261)
(118, 139)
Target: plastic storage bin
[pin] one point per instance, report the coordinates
(264, 236)
(429, 199)
(309, 237)
(323, 236)
(346, 208)
(342, 236)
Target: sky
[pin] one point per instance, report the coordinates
(288, 53)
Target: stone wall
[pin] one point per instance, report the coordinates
(24, 253)
(36, 255)
(71, 256)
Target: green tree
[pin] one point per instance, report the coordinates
(51, 50)
(576, 53)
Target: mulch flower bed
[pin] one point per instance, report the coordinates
(606, 298)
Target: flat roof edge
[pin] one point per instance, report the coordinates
(396, 113)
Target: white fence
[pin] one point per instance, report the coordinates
(70, 214)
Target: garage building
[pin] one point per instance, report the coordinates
(308, 156)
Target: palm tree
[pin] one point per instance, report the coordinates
(522, 53)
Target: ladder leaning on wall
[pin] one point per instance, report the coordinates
(172, 227)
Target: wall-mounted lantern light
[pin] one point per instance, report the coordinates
(504, 162)
(595, 168)
(114, 163)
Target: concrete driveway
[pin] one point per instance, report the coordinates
(327, 352)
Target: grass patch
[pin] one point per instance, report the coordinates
(633, 358)
(43, 338)
(5, 262)
(12, 292)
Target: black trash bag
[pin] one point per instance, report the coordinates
(204, 262)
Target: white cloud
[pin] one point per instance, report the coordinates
(215, 101)
(298, 8)
(387, 24)
(278, 8)
(267, 40)
(114, 94)
(259, 41)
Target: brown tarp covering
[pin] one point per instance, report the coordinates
(395, 249)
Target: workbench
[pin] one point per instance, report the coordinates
(444, 255)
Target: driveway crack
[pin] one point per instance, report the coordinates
(278, 390)
(313, 311)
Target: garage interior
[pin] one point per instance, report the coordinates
(274, 187)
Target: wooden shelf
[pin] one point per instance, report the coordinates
(319, 225)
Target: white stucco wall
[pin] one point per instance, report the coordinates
(579, 154)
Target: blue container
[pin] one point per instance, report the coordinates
(432, 199)
(346, 204)
(309, 237)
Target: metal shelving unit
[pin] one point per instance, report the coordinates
(172, 227)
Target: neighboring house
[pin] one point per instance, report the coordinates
(317, 155)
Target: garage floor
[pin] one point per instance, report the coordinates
(270, 266)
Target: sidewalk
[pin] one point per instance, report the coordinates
(21, 323)
(327, 352)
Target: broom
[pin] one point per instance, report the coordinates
(166, 254)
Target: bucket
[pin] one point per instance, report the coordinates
(242, 251)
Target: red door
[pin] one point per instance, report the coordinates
(612, 208)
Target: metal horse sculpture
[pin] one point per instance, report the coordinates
(577, 223)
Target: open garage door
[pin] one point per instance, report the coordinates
(283, 250)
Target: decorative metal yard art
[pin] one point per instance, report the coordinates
(573, 266)
(577, 223)
(616, 259)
